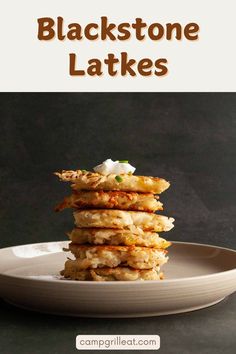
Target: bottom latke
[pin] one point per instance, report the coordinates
(72, 271)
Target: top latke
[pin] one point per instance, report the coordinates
(126, 182)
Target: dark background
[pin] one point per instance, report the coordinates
(189, 139)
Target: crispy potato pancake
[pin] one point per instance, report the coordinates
(119, 219)
(126, 182)
(72, 271)
(88, 256)
(111, 200)
(117, 237)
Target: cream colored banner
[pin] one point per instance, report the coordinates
(205, 64)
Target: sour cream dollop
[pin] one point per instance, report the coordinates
(114, 167)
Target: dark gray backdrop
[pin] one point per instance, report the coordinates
(189, 139)
(186, 138)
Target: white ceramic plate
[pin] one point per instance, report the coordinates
(197, 276)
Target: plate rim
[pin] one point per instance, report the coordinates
(129, 282)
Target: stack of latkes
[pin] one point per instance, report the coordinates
(115, 237)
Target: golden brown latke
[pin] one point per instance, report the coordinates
(119, 219)
(99, 236)
(111, 200)
(88, 256)
(127, 182)
(72, 271)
